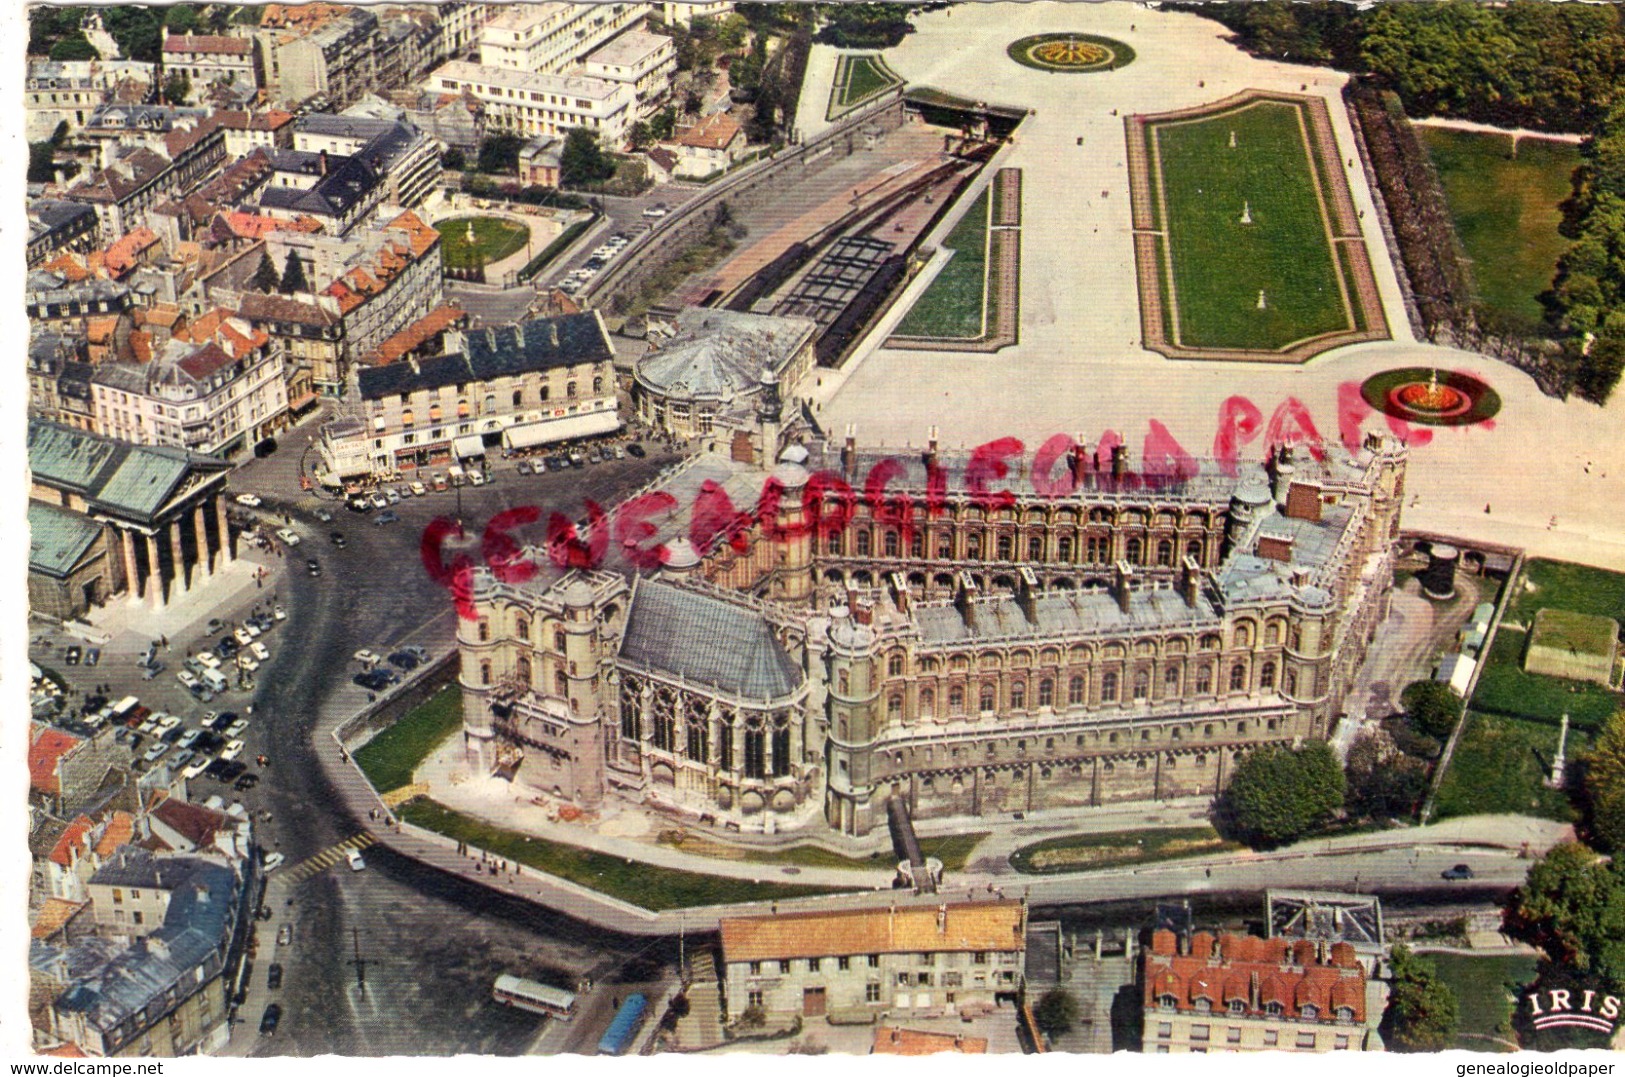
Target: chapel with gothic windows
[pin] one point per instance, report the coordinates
(862, 625)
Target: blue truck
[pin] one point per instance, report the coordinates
(618, 1037)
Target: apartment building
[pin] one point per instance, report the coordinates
(206, 59)
(644, 61)
(549, 38)
(529, 104)
(406, 160)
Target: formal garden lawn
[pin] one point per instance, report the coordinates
(631, 881)
(1566, 586)
(1087, 852)
(494, 239)
(953, 850)
(389, 759)
(857, 79)
(954, 304)
(1203, 186)
(1506, 213)
(1500, 766)
(1486, 987)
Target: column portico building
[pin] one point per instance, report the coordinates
(150, 508)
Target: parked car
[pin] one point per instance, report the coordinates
(391, 496)
(288, 536)
(403, 661)
(388, 516)
(273, 977)
(359, 504)
(476, 478)
(272, 862)
(279, 613)
(260, 651)
(237, 728)
(272, 1018)
(655, 212)
(156, 751)
(232, 750)
(418, 489)
(215, 625)
(354, 857)
(366, 657)
(416, 651)
(246, 782)
(313, 566)
(1460, 871)
(636, 450)
(379, 501)
(92, 655)
(524, 467)
(186, 678)
(242, 637)
(250, 500)
(72, 655)
(337, 539)
(284, 935)
(152, 670)
(200, 763)
(323, 515)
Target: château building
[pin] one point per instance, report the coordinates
(768, 648)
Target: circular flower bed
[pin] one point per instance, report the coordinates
(1431, 397)
(1070, 52)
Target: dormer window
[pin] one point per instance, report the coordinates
(1167, 1002)
(1345, 1013)
(1311, 1011)
(1237, 1006)
(1203, 1005)
(1273, 1009)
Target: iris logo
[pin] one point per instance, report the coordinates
(1557, 1008)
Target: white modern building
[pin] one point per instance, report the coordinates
(643, 61)
(548, 38)
(529, 104)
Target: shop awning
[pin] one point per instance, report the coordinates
(468, 445)
(302, 402)
(572, 426)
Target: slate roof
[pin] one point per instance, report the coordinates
(721, 354)
(110, 988)
(497, 352)
(707, 640)
(348, 181)
(1061, 613)
(114, 476)
(57, 538)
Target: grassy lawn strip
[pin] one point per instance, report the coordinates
(952, 305)
(635, 882)
(1505, 689)
(389, 758)
(708, 251)
(1500, 765)
(1084, 852)
(952, 851)
(857, 79)
(1506, 212)
(494, 239)
(553, 249)
(1579, 588)
(1219, 264)
(1484, 987)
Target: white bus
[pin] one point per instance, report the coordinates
(537, 998)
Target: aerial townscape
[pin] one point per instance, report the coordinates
(696, 527)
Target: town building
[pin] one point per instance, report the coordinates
(515, 386)
(406, 159)
(540, 160)
(709, 373)
(218, 392)
(55, 224)
(549, 38)
(708, 146)
(916, 960)
(309, 330)
(137, 176)
(1087, 636)
(154, 980)
(148, 521)
(337, 192)
(642, 60)
(1234, 993)
(248, 131)
(529, 104)
(320, 50)
(684, 12)
(60, 92)
(206, 59)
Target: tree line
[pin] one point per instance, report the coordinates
(1527, 63)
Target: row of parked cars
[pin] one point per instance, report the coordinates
(205, 673)
(386, 496)
(576, 280)
(212, 749)
(379, 674)
(580, 457)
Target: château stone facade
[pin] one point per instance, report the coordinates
(852, 626)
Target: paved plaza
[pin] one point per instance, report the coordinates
(1080, 346)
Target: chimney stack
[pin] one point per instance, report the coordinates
(963, 596)
(321, 162)
(1125, 584)
(1119, 460)
(931, 447)
(1190, 581)
(1026, 594)
(1080, 461)
(849, 451)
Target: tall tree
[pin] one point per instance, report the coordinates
(582, 161)
(265, 278)
(293, 276)
(1277, 795)
(1422, 1012)
(1431, 707)
(1572, 906)
(1605, 784)
(1383, 782)
(1056, 1012)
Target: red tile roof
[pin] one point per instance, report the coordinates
(45, 751)
(1256, 973)
(236, 46)
(205, 361)
(715, 132)
(193, 822)
(62, 853)
(125, 253)
(416, 335)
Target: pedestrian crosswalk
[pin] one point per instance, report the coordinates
(326, 858)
